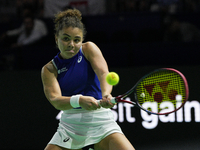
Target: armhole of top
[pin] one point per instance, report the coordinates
(54, 64)
(82, 51)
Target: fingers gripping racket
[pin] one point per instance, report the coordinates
(160, 92)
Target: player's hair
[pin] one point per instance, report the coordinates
(69, 18)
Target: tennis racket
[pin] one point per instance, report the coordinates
(160, 92)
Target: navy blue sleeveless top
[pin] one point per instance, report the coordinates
(76, 76)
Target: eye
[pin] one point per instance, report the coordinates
(77, 40)
(66, 39)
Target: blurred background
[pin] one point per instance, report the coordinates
(135, 37)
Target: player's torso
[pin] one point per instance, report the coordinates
(76, 76)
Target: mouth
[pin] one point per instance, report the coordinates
(69, 50)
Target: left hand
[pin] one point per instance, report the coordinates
(105, 102)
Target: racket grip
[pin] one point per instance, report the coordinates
(113, 100)
(98, 101)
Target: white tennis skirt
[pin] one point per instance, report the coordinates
(79, 128)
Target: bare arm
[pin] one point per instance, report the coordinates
(53, 92)
(52, 89)
(100, 67)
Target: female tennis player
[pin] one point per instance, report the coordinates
(73, 82)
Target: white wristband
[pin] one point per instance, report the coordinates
(74, 101)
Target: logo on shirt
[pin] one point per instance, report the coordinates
(66, 139)
(62, 70)
(79, 59)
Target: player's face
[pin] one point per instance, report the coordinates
(69, 41)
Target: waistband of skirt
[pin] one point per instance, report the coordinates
(74, 111)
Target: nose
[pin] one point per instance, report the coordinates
(71, 44)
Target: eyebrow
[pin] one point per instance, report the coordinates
(70, 36)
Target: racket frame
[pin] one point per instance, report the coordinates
(120, 98)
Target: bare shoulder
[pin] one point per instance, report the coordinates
(89, 46)
(90, 49)
(49, 68)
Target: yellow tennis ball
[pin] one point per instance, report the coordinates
(112, 78)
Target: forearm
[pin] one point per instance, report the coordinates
(14, 31)
(66, 103)
(29, 40)
(106, 93)
(61, 102)
(105, 87)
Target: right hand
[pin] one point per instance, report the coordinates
(106, 101)
(88, 103)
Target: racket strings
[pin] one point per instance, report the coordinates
(162, 86)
